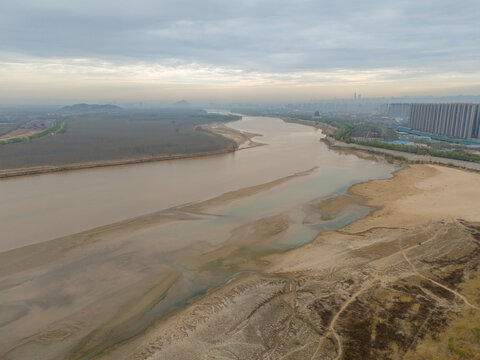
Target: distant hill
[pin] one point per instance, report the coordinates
(89, 108)
(182, 103)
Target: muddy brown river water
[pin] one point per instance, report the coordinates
(84, 266)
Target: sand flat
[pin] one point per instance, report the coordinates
(329, 292)
(79, 295)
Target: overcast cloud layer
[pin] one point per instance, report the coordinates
(421, 45)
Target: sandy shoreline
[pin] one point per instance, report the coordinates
(302, 303)
(237, 137)
(370, 272)
(243, 139)
(148, 279)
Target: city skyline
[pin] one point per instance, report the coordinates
(262, 50)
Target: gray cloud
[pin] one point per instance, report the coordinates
(267, 36)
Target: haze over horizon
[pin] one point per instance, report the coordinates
(246, 50)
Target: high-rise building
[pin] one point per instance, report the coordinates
(354, 96)
(454, 120)
(400, 110)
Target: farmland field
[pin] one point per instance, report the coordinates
(125, 134)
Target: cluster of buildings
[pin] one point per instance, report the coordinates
(453, 120)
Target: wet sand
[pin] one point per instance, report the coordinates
(96, 293)
(79, 295)
(243, 139)
(368, 290)
(59, 204)
(228, 198)
(332, 207)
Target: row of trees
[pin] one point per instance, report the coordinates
(457, 155)
(349, 132)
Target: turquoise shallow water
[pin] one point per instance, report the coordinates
(105, 273)
(290, 198)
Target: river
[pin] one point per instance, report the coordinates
(75, 295)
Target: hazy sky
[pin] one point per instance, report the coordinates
(154, 50)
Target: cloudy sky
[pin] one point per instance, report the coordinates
(213, 50)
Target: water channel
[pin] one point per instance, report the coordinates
(63, 293)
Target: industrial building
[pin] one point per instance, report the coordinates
(454, 120)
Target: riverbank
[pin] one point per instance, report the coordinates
(403, 156)
(326, 129)
(238, 139)
(398, 283)
(243, 139)
(118, 279)
(390, 155)
(218, 277)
